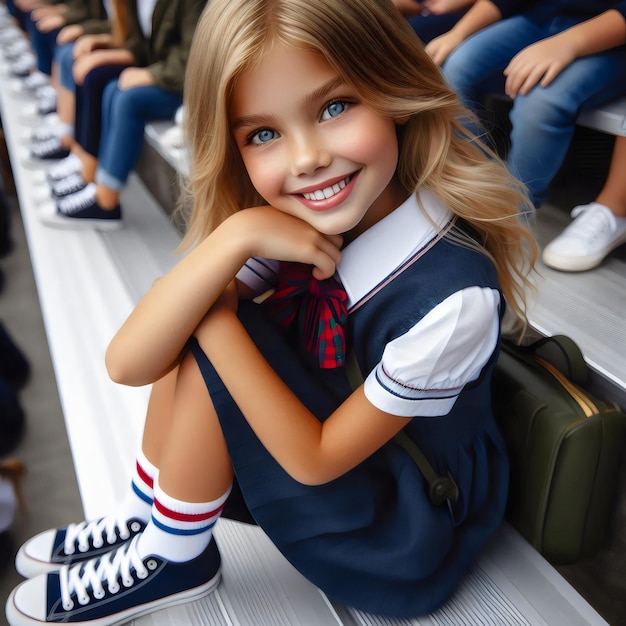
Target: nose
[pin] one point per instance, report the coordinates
(308, 153)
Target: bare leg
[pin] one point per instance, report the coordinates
(107, 198)
(613, 193)
(194, 462)
(90, 163)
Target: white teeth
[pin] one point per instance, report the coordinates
(327, 192)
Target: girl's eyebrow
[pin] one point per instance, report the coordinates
(310, 98)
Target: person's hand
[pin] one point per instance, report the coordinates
(133, 77)
(88, 43)
(441, 47)
(70, 33)
(408, 8)
(85, 63)
(539, 63)
(46, 10)
(50, 23)
(440, 7)
(267, 232)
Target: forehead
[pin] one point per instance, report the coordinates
(283, 73)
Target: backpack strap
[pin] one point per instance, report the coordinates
(440, 488)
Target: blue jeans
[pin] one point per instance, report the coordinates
(543, 121)
(43, 45)
(124, 117)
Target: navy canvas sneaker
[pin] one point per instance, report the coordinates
(113, 589)
(48, 149)
(81, 210)
(54, 548)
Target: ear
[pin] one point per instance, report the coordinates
(402, 120)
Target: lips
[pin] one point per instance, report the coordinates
(328, 197)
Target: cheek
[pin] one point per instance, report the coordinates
(376, 143)
(264, 175)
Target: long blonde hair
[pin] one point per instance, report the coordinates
(373, 49)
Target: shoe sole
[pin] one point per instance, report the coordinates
(16, 618)
(79, 223)
(572, 264)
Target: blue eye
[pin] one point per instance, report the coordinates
(333, 109)
(263, 136)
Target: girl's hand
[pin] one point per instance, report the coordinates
(133, 77)
(539, 63)
(89, 43)
(440, 7)
(267, 232)
(408, 8)
(70, 33)
(441, 47)
(49, 23)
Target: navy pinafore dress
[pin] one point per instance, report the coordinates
(371, 539)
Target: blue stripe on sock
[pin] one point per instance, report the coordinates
(141, 494)
(182, 531)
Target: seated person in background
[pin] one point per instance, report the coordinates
(431, 18)
(143, 81)
(598, 227)
(553, 58)
(53, 139)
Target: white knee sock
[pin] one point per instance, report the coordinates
(179, 531)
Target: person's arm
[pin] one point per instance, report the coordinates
(461, 334)
(543, 61)
(408, 8)
(310, 451)
(149, 343)
(441, 7)
(169, 71)
(480, 15)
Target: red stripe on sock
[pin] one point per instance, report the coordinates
(186, 517)
(146, 478)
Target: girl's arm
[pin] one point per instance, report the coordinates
(544, 61)
(448, 348)
(312, 452)
(480, 15)
(149, 343)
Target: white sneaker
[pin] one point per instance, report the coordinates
(585, 243)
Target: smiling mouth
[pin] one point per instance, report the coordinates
(328, 192)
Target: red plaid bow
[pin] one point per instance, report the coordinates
(318, 307)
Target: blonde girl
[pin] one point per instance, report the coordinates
(389, 239)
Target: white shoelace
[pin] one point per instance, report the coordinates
(80, 578)
(46, 146)
(70, 184)
(78, 201)
(590, 222)
(35, 81)
(106, 529)
(23, 64)
(65, 167)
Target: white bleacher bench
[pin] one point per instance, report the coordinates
(87, 283)
(609, 118)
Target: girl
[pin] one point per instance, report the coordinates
(364, 195)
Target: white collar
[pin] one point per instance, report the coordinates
(375, 254)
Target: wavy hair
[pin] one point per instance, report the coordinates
(370, 45)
